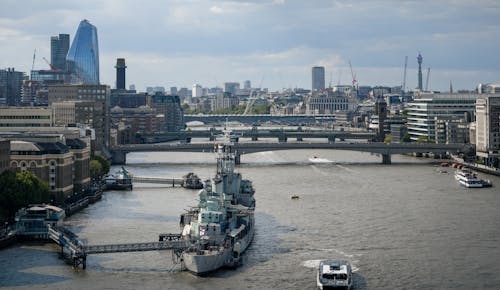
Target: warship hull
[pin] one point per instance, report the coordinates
(206, 261)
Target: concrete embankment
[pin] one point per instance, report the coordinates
(477, 167)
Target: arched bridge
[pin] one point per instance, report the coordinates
(385, 149)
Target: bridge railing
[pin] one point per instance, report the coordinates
(136, 247)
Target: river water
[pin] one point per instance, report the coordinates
(402, 226)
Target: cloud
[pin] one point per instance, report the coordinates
(180, 42)
(216, 10)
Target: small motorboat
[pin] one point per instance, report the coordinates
(295, 196)
(334, 274)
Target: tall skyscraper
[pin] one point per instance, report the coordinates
(318, 78)
(59, 46)
(419, 60)
(247, 85)
(83, 56)
(120, 73)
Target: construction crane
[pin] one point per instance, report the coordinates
(249, 103)
(251, 100)
(354, 81)
(352, 75)
(51, 66)
(427, 80)
(403, 86)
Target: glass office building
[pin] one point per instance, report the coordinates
(83, 56)
(59, 46)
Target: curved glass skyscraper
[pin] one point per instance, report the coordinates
(83, 56)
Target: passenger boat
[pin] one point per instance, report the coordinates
(191, 181)
(121, 180)
(469, 179)
(334, 274)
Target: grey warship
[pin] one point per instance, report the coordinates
(222, 226)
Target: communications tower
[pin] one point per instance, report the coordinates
(419, 60)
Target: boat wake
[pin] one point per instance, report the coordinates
(319, 160)
(347, 169)
(311, 264)
(314, 264)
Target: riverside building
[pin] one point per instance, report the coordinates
(51, 162)
(64, 167)
(98, 96)
(426, 107)
(488, 129)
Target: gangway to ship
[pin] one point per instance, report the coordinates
(74, 249)
(136, 247)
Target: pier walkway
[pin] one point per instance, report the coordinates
(158, 180)
(74, 250)
(136, 247)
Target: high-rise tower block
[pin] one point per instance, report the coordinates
(83, 55)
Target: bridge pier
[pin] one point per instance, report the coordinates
(282, 139)
(331, 139)
(80, 260)
(299, 139)
(386, 158)
(237, 159)
(254, 132)
(118, 158)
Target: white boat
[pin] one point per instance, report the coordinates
(121, 180)
(468, 178)
(334, 274)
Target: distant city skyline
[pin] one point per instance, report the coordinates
(272, 43)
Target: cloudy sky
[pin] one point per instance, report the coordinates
(270, 42)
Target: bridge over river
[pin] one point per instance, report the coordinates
(259, 119)
(384, 149)
(256, 133)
